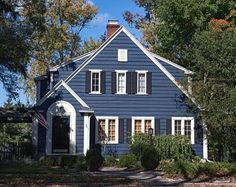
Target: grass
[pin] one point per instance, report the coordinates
(26, 175)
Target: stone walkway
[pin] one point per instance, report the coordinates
(157, 178)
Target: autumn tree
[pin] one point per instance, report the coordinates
(56, 38)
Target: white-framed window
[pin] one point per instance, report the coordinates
(141, 82)
(121, 81)
(107, 130)
(142, 124)
(183, 126)
(95, 81)
(122, 55)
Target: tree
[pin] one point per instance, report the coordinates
(169, 26)
(56, 37)
(14, 47)
(214, 52)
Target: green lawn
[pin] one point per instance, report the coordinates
(25, 175)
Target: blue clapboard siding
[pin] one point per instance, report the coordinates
(63, 94)
(165, 101)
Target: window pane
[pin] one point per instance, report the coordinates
(95, 82)
(148, 125)
(178, 127)
(111, 130)
(141, 82)
(138, 126)
(121, 82)
(101, 130)
(187, 128)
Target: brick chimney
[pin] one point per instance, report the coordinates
(112, 27)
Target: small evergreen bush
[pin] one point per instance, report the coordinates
(48, 161)
(67, 161)
(94, 159)
(150, 158)
(128, 160)
(81, 163)
(110, 161)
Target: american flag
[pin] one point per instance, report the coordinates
(42, 121)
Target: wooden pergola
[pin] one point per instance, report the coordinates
(16, 115)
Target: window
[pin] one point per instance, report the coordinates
(141, 82)
(95, 81)
(183, 126)
(107, 131)
(122, 55)
(121, 81)
(142, 124)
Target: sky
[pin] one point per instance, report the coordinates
(107, 9)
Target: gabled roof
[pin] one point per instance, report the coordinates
(68, 88)
(153, 57)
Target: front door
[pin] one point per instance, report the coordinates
(60, 134)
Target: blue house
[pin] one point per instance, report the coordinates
(102, 97)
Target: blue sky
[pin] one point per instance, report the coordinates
(107, 9)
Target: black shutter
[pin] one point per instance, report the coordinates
(128, 129)
(134, 83)
(113, 82)
(168, 126)
(88, 82)
(128, 82)
(149, 82)
(157, 127)
(121, 130)
(92, 131)
(103, 82)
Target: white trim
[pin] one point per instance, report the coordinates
(143, 118)
(99, 79)
(86, 133)
(69, 111)
(55, 68)
(186, 71)
(205, 143)
(107, 118)
(117, 80)
(58, 85)
(119, 58)
(51, 80)
(74, 73)
(182, 119)
(35, 133)
(138, 73)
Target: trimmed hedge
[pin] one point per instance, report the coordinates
(150, 158)
(94, 160)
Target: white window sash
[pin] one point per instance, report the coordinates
(99, 81)
(122, 58)
(145, 79)
(134, 118)
(183, 119)
(117, 81)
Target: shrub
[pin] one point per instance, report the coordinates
(81, 163)
(67, 161)
(196, 158)
(150, 158)
(110, 161)
(48, 161)
(181, 168)
(128, 160)
(94, 160)
(28, 149)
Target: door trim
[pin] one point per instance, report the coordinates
(61, 108)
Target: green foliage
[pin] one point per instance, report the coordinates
(81, 163)
(181, 168)
(150, 158)
(167, 146)
(196, 158)
(28, 149)
(48, 161)
(67, 161)
(128, 160)
(110, 161)
(94, 159)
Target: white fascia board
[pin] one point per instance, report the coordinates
(56, 87)
(186, 71)
(55, 68)
(71, 76)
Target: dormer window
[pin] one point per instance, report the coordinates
(122, 55)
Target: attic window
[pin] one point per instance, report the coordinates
(122, 55)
